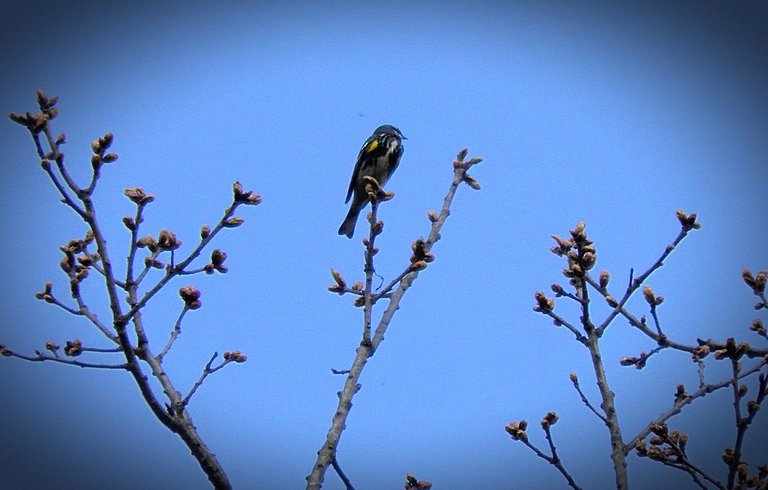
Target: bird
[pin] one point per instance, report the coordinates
(378, 158)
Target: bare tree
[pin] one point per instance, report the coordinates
(128, 292)
(655, 441)
(128, 343)
(367, 298)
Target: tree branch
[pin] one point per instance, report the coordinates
(174, 334)
(577, 385)
(41, 357)
(365, 350)
(208, 370)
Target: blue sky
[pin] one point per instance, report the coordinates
(614, 113)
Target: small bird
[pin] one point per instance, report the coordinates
(378, 158)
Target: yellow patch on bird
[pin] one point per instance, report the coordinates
(374, 144)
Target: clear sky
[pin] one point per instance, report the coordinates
(614, 113)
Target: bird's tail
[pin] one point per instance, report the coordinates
(348, 226)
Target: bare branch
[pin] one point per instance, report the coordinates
(517, 430)
(635, 283)
(340, 472)
(174, 271)
(668, 448)
(174, 334)
(173, 415)
(208, 370)
(681, 402)
(577, 385)
(141, 201)
(41, 357)
(367, 347)
(562, 322)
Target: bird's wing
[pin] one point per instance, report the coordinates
(369, 147)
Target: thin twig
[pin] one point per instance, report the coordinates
(383, 293)
(60, 162)
(586, 401)
(553, 460)
(66, 198)
(102, 349)
(741, 426)
(137, 220)
(562, 322)
(687, 469)
(566, 294)
(55, 301)
(208, 370)
(40, 357)
(86, 312)
(174, 334)
(148, 261)
(369, 269)
(344, 479)
(700, 364)
(100, 270)
(655, 317)
(556, 462)
(192, 271)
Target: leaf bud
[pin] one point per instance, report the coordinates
(650, 298)
(605, 278)
(338, 278)
(233, 222)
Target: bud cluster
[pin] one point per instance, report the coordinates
(639, 362)
(245, 197)
(517, 430)
(138, 196)
(680, 394)
(191, 297)
(76, 264)
(757, 283)
(420, 257)
(217, 262)
(581, 255)
(731, 350)
(459, 163)
(46, 294)
(745, 480)
(549, 420)
(235, 356)
(757, 326)
(665, 446)
(341, 284)
(73, 348)
(687, 221)
(37, 122)
(411, 483)
(651, 298)
(99, 147)
(543, 303)
(167, 240)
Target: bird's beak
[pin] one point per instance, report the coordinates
(404, 137)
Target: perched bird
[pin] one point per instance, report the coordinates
(378, 158)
